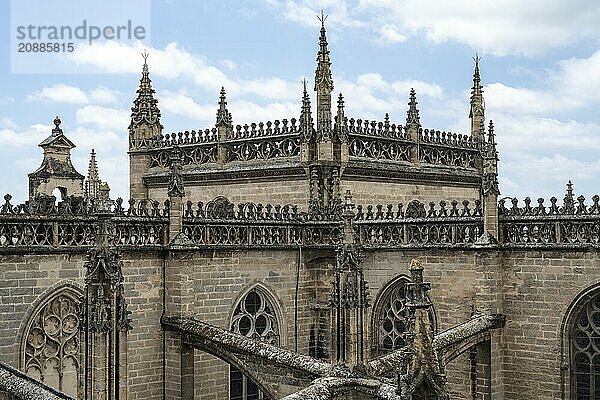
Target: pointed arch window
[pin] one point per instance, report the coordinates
(585, 349)
(390, 318)
(50, 350)
(254, 317)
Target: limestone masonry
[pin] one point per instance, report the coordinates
(317, 257)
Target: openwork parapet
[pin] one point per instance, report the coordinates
(574, 223)
(72, 223)
(418, 226)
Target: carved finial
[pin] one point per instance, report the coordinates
(306, 123)
(323, 86)
(223, 115)
(570, 189)
(413, 112)
(322, 18)
(569, 200)
(57, 130)
(491, 135)
(175, 188)
(340, 125)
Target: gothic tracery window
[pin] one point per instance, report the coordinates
(391, 322)
(585, 350)
(50, 349)
(255, 318)
(390, 318)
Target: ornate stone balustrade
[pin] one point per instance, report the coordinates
(44, 224)
(432, 136)
(447, 149)
(71, 223)
(263, 148)
(574, 223)
(201, 153)
(384, 129)
(188, 137)
(267, 129)
(417, 226)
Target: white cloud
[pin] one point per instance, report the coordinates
(103, 118)
(7, 122)
(62, 93)
(496, 27)
(31, 136)
(547, 176)
(389, 34)
(59, 94)
(180, 103)
(304, 12)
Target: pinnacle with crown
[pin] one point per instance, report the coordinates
(145, 127)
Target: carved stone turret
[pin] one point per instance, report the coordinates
(420, 373)
(176, 192)
(105, 318)
(145, 131)
(306, 127)
(477, 111)
(489, 188)
(224, 126)
(413, 125)
(56, 170)
(324, 87)
(349, 302)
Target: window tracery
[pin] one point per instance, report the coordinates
(390, 317)
(585, 350)
(51, 343)
(254, 317)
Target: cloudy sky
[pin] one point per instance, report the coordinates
(540, 70)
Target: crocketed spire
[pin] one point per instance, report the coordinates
(323, 85)
(412, 116)
(92, 184)
(477, 111)
(306, 122)
(223, 115)
(144, 112)
(340, 121)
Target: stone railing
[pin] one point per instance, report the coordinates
(378, 141)
(418, 226)
(447, 149)
(221, 223)
(376, 129)
(574, 223)
(72, 223)
(256, 141)
(44, 225)
(267, 129)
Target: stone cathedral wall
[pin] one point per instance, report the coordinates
(534, 289)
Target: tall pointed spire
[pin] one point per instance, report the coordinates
(323, 85)
(92, 184)
(145, 127)
(306, 122)
(223, 115)
(477, 111)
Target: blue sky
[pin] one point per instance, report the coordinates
(540, 70)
